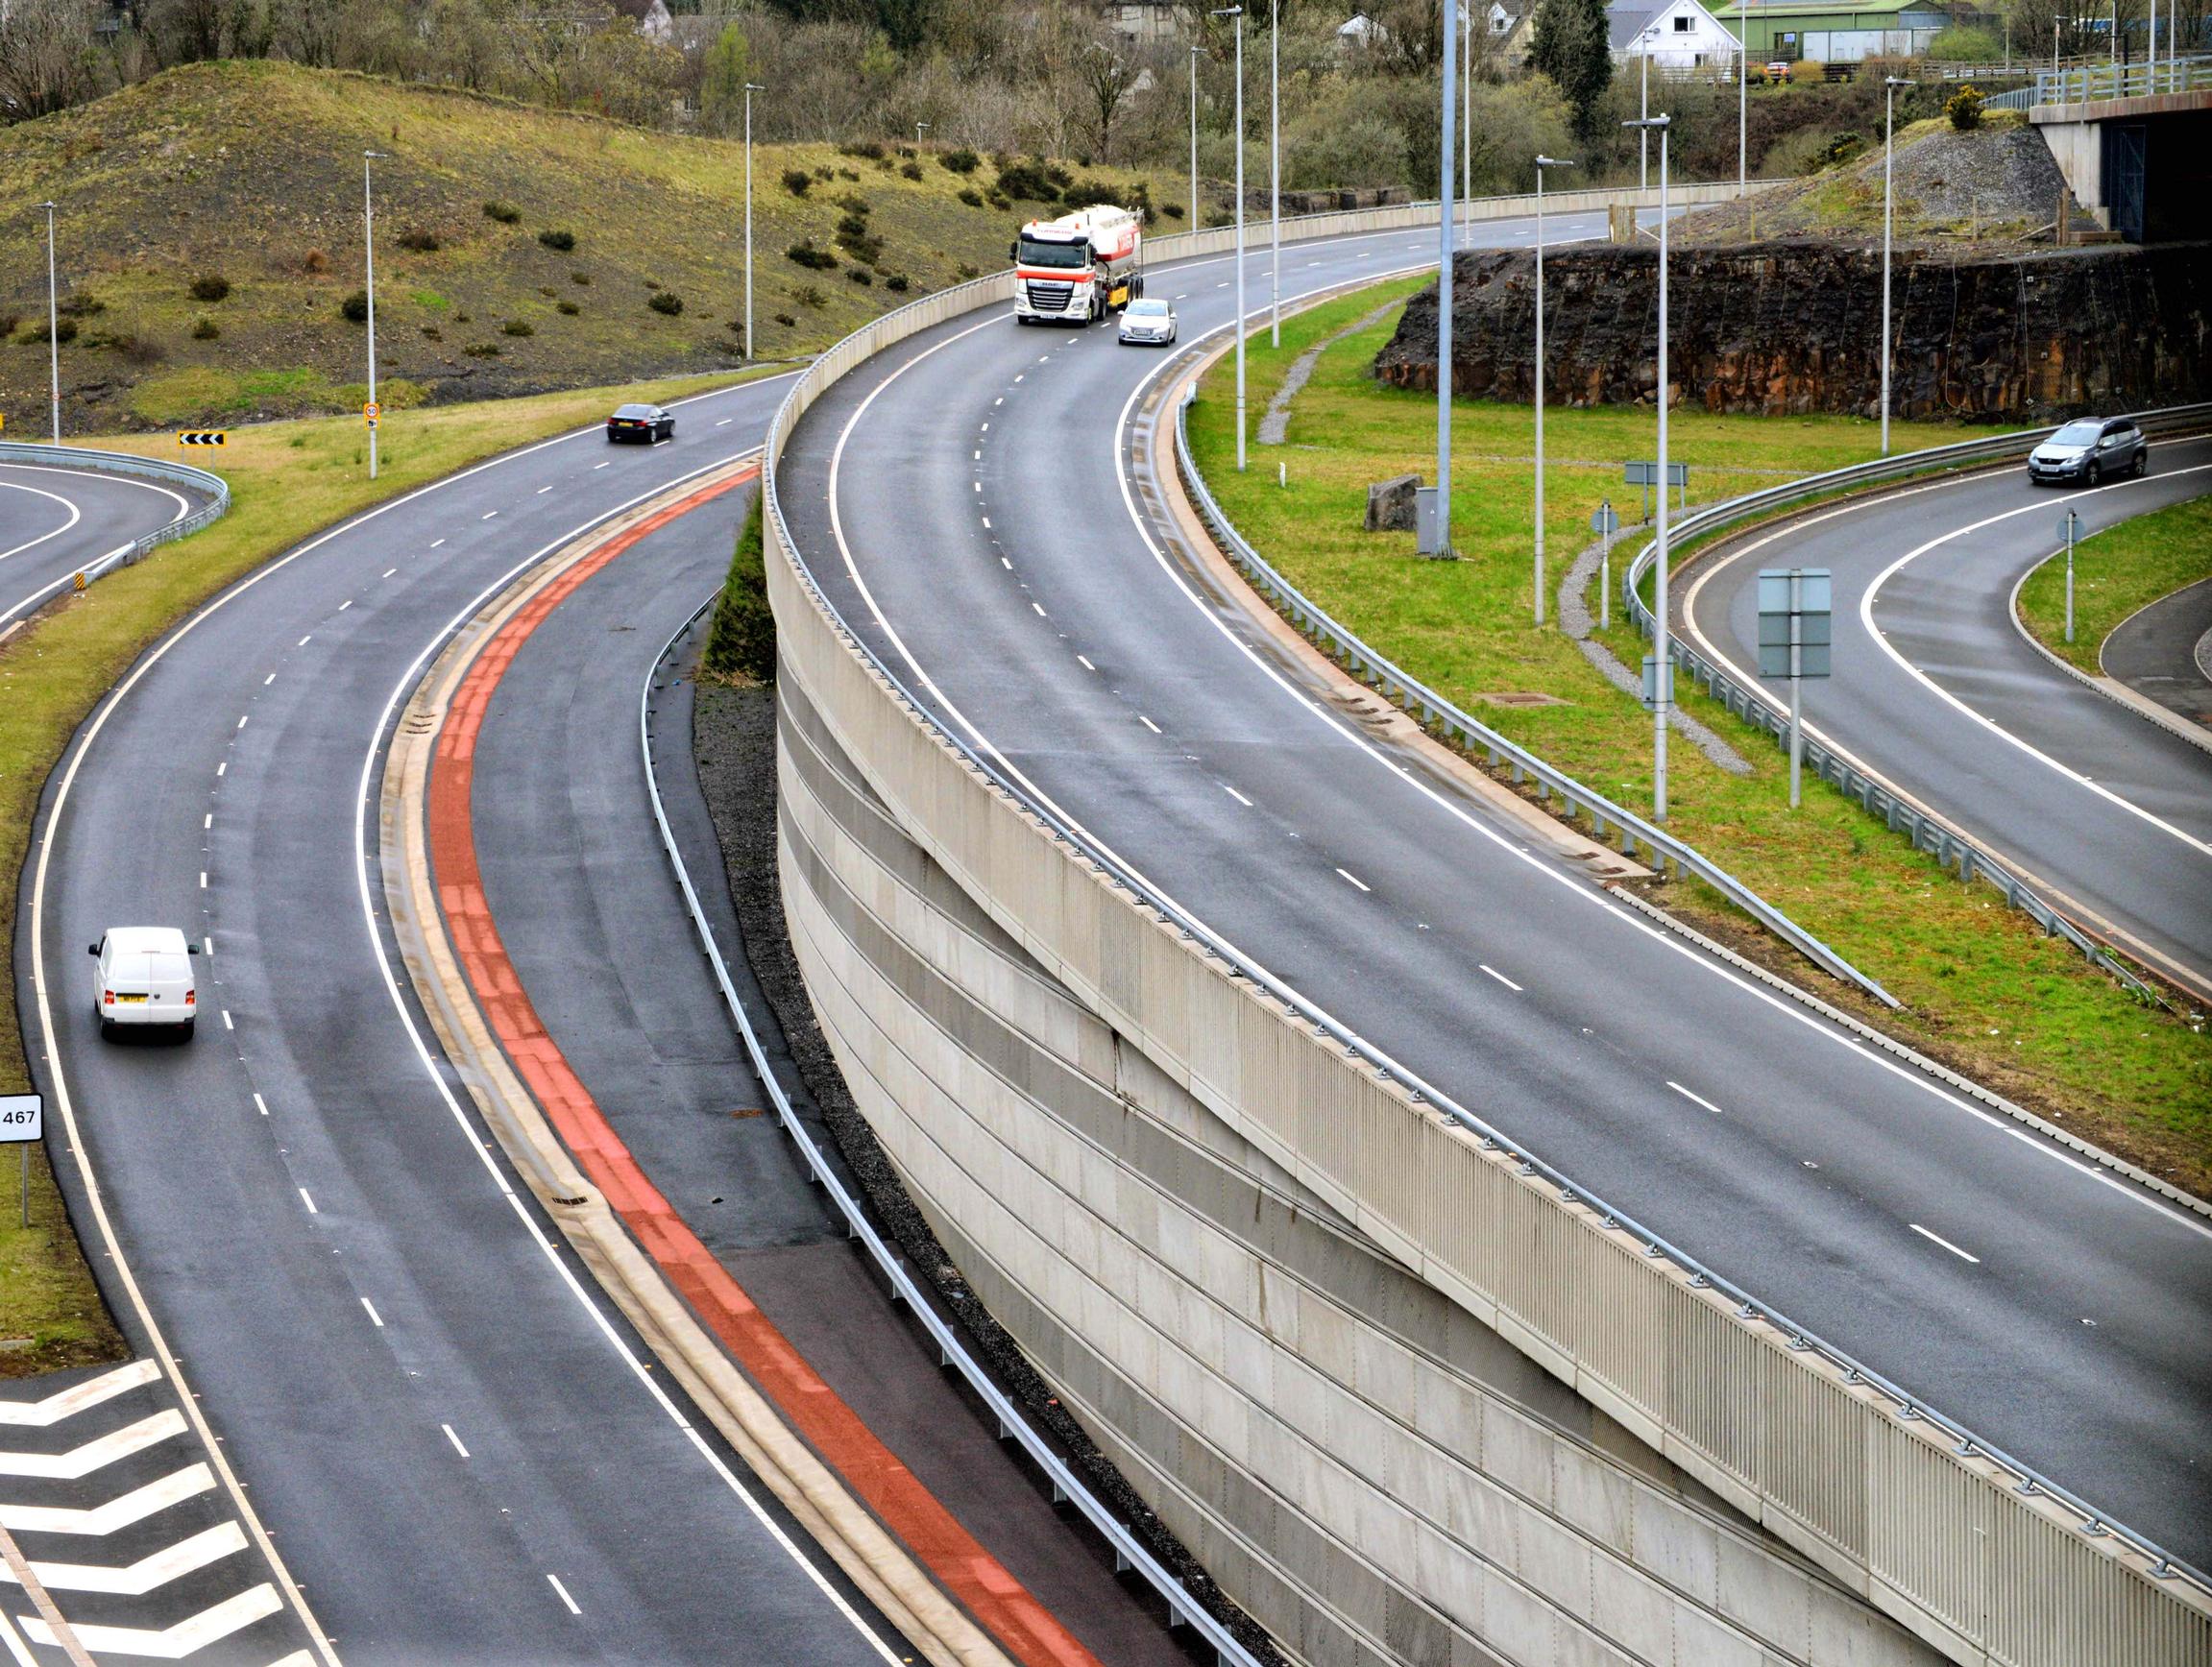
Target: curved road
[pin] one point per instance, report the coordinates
(1934, 687)
(457, 1446)
(963, 500)
(55, 521)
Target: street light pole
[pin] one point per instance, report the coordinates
(1541, 164)
(1742, 97)
(52, 324)
(1443, 298)
(1890, 87)
(1644, 117)
(1466, 106)
(1274, 165)
(1662, 684)
(1237, 12)
(1197, 220)
(369, 255)
(752, 87)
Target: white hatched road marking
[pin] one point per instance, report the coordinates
(81, 1462)
(78, 1397)
(130, 1508)
(148, 1573)
(171, 1643)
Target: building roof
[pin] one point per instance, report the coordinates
(1823, 8)
(1624, 21)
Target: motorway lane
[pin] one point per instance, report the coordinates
(458, 1447)
(1991, 1273)
(56, 520)
(2109, 811)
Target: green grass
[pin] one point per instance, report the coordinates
(287, 480)
(1984, 990)
(2116, 572)
(251, 171)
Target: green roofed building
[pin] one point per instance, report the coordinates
(1789, 30)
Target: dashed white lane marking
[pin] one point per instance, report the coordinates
(202, 879)
(227, 1025)
(725, 422)
(1182, 294)
(979, 456)
(272, 677)
(985, 429)
(1224, 284)
(438, 545)
(1083, 662)
(206, 946)
(305, 640)
(488, 515)
(562, 1593)
(308, 1200)
(1148, 723)
(598, 465)
(543, 490)
(979, 485)
(1002, 399)
(346, 604)
(1237, 796)
(1004, 563)
(260, 1105)
(208, 820)
(1040, 606)
(1696, 1099)
(1044, 359)
(1024, 373)
(456, 1440)
(241, 720)
(375, 1318)
(221, 767)
(1942, 1241)
(389, 572)
(986, 523)
(1356, 880)
(1499, 976)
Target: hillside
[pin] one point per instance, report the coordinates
(248, 175)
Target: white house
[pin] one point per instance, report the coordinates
(1673, 33)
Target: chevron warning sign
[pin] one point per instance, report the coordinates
(201, 437)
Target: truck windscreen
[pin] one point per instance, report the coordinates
(1071, 255)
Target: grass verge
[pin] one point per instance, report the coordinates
(2117, 572)
(1984, 991)
(287, 480)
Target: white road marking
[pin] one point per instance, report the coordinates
(1004, 563)
(305, 1199)
(202, 879)
(149, 1573)
(564, 1594)
(488, 515)
(79, 1463)
(1942, 1241)
(1040, 608)
(346, 604)
(979, 456)
(206, 946)
(227, 1025)
(241, 720)
(389, 572)
(101, 1520)
(1699, 1099)
(1002, 399)
(1042, 359)
(171, 1643)
(599, 466)
(725, 421)
(985, 429)
(1183, 295)
(375, 1318)
(1148, 723)
(208, 820)
(1499, 976)
(456, 1440)
(221, 767)
(78, 1397)
(986, 523)
(1085, 663)
(1237, 796)
(305, 640)
(979, 485)
(1024, 373)
(272, 677)
(438, 545)
(1356, 880)
(260, 1105)
(543, 490)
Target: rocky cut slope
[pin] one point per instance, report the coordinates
(1794, 326)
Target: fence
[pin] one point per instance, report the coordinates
(2095, 83)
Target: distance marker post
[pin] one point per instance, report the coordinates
(2069, 524)
(23, 1121)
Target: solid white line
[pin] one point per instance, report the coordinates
(1699, 1099)
(305, 1199)
(564, 1594)
(1942, 1241)
(1237, 796)
(1499, 976)
(456, 1440)
(1355, 880)
(76, 514)
(1148, 723)
(375, 1318)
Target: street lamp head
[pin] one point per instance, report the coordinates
(755, 86)
(1543, 161)
(1896, 80)
(1227, 12)
(1650, 122)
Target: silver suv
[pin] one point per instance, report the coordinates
(2090, 450)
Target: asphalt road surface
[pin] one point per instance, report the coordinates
(55, 521)
(984, 543)
(1934, 687)
(454, 1441)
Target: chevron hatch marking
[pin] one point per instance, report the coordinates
(82, 1462)
(78, 1397)
(175, 1643)
(148, 1573)
(135, 1506)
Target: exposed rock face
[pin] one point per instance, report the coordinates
(1794, 327)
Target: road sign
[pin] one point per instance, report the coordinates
(1605, 522)
(1647, 474)
(371, 411)
(201, 437)
(1793, 639)
(23, 1120)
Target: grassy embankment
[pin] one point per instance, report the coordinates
(287, 479)
(1984, 990)
(249, 173)
(2116, 572)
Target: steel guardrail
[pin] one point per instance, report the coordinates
(861, 345)
(1940, 838)
(45, 455)
(1440, 716)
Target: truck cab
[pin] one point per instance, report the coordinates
(1078, 268)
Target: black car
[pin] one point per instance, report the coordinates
(2090, 450)
(646, 422)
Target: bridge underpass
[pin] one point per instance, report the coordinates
(2135, 143)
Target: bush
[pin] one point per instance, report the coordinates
(82, 305)
(911, 170)
(1060, 175)
(518, 328)
(741, 642)
(796, 180)
(354, 309)
(805, 254)
(665, 301)
(865, 149)
(314, 262)
(897, 282)
(853, 202)
(961, 162)
(583, 277)
(972, 196)
(505, 213)
(64, 331)
(210, 286)
(1173, 210)
(1027, 182)
(460, 318)
(432, 333)
(482, 349)
(1964, 109)
(561, 242)
(206, 329)
(861, 275)
(967, 271)
(809, 295)
(852, 225)
(786, 321)
(848, 174)
(566, 308)
(999, 201)
(420, 242)
(1966, 43)
(7, 323)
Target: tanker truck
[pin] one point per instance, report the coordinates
(1078, 268)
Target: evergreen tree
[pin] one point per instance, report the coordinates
(1571, 47)
(728, 67)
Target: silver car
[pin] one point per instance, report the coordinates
(1151, 322)
(2088, 451)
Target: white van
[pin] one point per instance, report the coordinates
(144, 977)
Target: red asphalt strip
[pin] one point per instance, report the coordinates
(1022, 1625)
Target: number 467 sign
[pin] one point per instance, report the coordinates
(20, 1117)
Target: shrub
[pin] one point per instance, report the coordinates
(518, 328)
(460, 318)
(432, 333)
(865, 149)
(547, 291)
(796, 180)
(505, 213)
(665, 301)
(1966, 43)
(741, 642)
(206, 329)
(848, 174)
(314, 262)
(972, 196)
(559, 241)
(868, 251)
(853, 202)
(64, 331)
(482, 349)
(1173, 210)
(583, 277)
(354, 309)
(1964, 109)
(911, 170)
(885, 164)
(786, 321)
(809, 295)
(861, 275)
(897, 281)
(961, 162)
(1060, 175)
(210, 286)
(420, 242)
(7, 323)
(1027, 182)
(852, 225)
(805, 254)
(566, 308)
(999, 201)
(82, 304)
(967, 271)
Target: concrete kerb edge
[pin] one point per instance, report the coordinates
(2110, 687)
(882, 1569)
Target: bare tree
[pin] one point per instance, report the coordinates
(1104, 72)
(47, 58)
